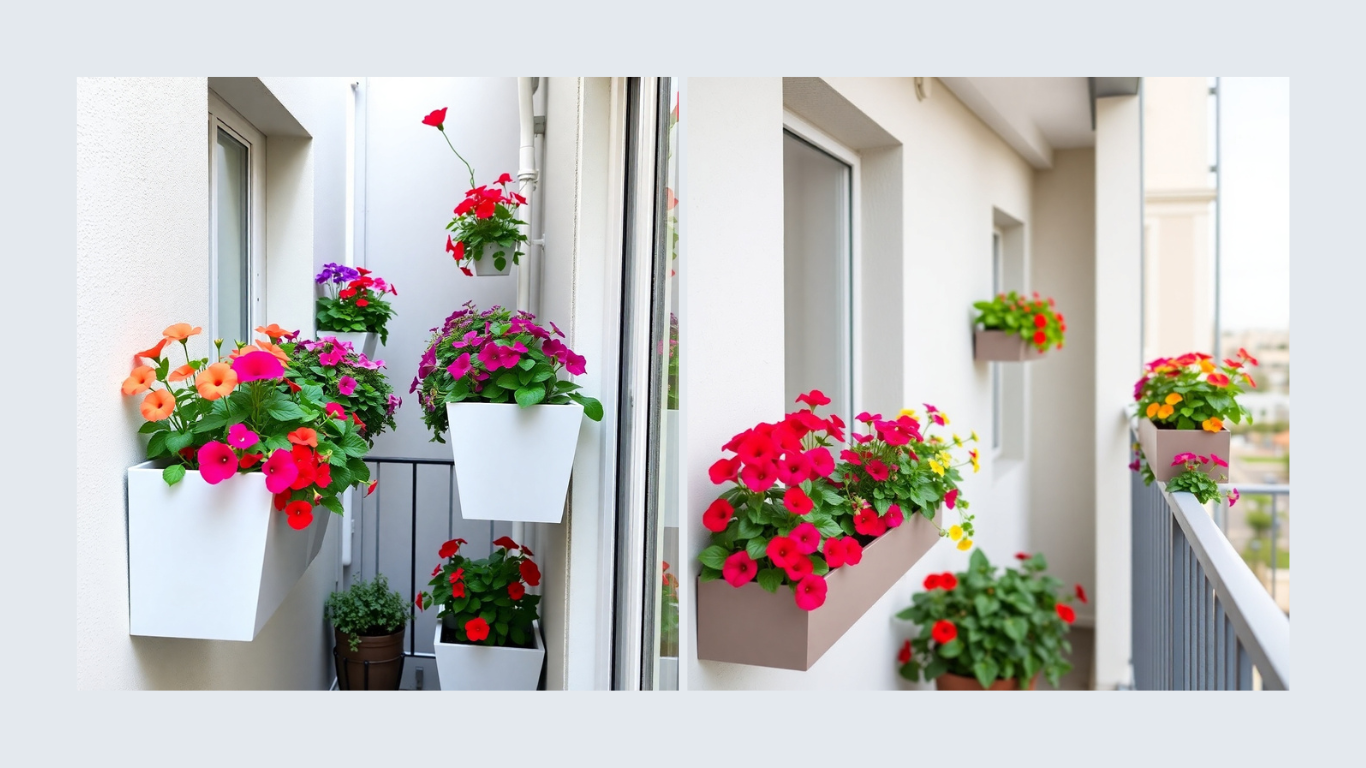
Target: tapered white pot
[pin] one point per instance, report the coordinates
(463, 667)
(513, 463)
(211, 562)
(484, 266)
(366, 343)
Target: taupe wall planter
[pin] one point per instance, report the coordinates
(1002, 347)
(1160, 445)
(751, 626)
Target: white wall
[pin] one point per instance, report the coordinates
(142, 264)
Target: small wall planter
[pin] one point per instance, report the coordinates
(463, 667)
(1161, 445)
(211, 562)
(1002, 347)
(750, 626)
(951, 682)
(513, 463)
(377, 665)
(366, 343)
(483, 267)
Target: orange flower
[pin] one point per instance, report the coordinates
(182, 373)
(1165, 411)
(303, 436)
(139, 380)
(1212, 424)
(181, 331)
(273, 331)
(158, 405)
(218, 380)
(1206, 366)
(1174, 398)
(152, 353)
(1152, 409)
(1249, 380)
(280, 355)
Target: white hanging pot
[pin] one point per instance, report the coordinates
(211, 562)
(464, 667)
(484, 266)
(513, 463)
(366, 343)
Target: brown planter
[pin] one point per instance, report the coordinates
(751, 626)
(951, 682)
(377, 665)
(1002, 347)
(1161, 445)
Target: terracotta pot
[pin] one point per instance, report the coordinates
(751, 626)
(377, 665)
(1160, 445)
(951, 682)
(1002, 347)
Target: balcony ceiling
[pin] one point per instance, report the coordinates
(1034, 115)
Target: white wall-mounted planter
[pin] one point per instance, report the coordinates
(1002, 347)
(211, 562)
(463, 667)
(513, 463)
(366, 343)
(483, 266)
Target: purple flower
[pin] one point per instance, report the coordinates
(346, 385)
(416, 383)
(428, 363)
(460, 367)
(394, 402)
(557, 330)
(490, 358)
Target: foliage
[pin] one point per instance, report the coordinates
(822, 515)
(349, 379)
(668, 614)
(980, 625)
(359, 307)
(368, 608)
(1197, 482)
(496, 356)
(672, 372)
(485, 601)
(1191, 392)
(1037, 320)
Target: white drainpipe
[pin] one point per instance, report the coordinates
(526, 184)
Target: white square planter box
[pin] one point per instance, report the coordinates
(463, 667)
(365, 343)
(513, 463)
(210, 562)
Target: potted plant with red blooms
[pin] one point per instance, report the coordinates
(1184, 405)
(493, 379)
(980, 631)
(1195, 480)
(238, 456)
(485, 230)
(352, 306)
(488, 637)
(794, 522)
(1014, 328)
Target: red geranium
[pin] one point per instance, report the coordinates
(516, 590)
(450, 548)
(530, 573)
(718, 515)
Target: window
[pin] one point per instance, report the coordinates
(236, 223)
(1008, 380)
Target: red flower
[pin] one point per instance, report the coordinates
(281, 499)
(504, 179)
(1021, 555)
(1040, 321)
(877, 470)
(739, 569)
(834, 552)
(476, 629)
(455, 249)
(932, 581)
(1217, 379)
(300, 514)
(868, 523)
(249, 460)
(280, 471)
(418, 600)
(893, 517)
(486, 209)
(798, 567)
(292, 386)
(346, 293)
(458, 589)
(814, 398)
(780, 550)
(724, 470)
(436, 119)
(760, 477)
(807, 538)
(1066, 613)
(810, 592)
(951, 498)
(718, 515)
(904, 655)
(796, 501)
(851, 457)
(947, 581)
(362, 302)
(516, 590)
(756, 449)
(793, 468)
(943, 631)
(853, 551)
(505, 542)
(822, 463)
(450, 548)
(1039, 339)
(1249, 358)
(530, 573)
(1081, 594)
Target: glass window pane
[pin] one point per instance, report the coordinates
(230, 166)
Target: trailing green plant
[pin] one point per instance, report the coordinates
(1197, 482)
(1036, 321)
(367, 608)
(356, 388)
(359, 307)
(485, 601)
(988, 627)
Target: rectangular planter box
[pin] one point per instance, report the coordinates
(751, 626)
(210, 562)
(513, 463)
(1002, 347)
(464, 667)
(365, 343)
(1160, 445)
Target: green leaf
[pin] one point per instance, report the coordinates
(332, 503)
(713, 557)
(591, 407)
(529, 396)
(985, 669)
(354, 445)
(748, 529)
(756, 547)
(177, 440)
(1015, 627)
(173, 474)
(770, 579)
(285, 410)
(509, 381)
(952, 649)
(709, 574)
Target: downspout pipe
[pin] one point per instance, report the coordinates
(527, 177)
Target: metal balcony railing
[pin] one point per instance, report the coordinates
(1201, 619)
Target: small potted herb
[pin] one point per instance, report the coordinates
(369, 622)
(1184, 406)
(1015, 329)
(352, 306)
(980, 631)
(488, 637)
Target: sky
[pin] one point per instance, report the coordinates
(1255, 154)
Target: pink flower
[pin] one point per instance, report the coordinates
(851, 457)
(346, 385)
(822, 463)
(796, 501)
(834, 552)
(460, 367)
(893, 517)
(280, 471)
(868, 418)
(1182, 458)
(1218, 461)
(810, 592)
(217, 462)
(798, 567)
(806, 537)
(814, 398)
(575, 364)
(853, 551)
(1233, 496)
(756, 449)
(718, 515)
(739, 569)
(760, 477)
(723, 470)
(877, 470)
(781, 550)
(951, 498)
(335, 411)
(793, 468)
(868, 523)
(254, 366)
(333, 357)
(240, 436)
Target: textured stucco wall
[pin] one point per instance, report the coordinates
(142, 264)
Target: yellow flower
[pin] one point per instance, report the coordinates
(945, 417)
(1165, 411)
(945, 458)
(976, 465)
(1212, 424)
(1174, 398)
(1206, 366)
(937, 467)
(956, 532)
(965, 545)
(958, 441)
(1152, 409)
(974, 435)
(909, 412)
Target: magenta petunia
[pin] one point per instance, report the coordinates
(217, 462)
(460, 366)
(330, 359)
(851, 457)
(280, 471)
(951, 497)
(759, 477)
(240, 436)
(255, 366)
(877, 470)
(739, 569)
(346, 385)
(822, 463)
(810, 592)
(1220, 462)
(806, 537)
(793, 468)
(575, 364)
(893, 518)
(336, 411)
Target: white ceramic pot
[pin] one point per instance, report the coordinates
(483, 266)
(211, 562)
(366, 343)
(513, 463)
(464, 667)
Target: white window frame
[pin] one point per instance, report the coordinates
(998, 269)
(222, 116)
(796, 125)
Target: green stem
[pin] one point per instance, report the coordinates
(457, 154)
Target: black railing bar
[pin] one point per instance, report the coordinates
(412, 568)
(401, 460)
(419, 654)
